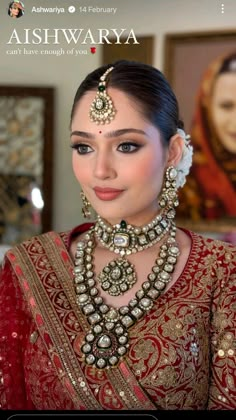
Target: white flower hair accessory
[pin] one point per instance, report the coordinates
(185, 163)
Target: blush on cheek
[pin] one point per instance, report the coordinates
(81, 171)
(75, 166)
(150, 167)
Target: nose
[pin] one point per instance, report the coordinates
(104, 167)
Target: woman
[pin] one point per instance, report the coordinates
(210, 192)
(16, 9)
(130, 312)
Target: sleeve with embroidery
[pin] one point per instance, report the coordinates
(222, 394)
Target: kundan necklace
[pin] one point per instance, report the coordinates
(119, 275)
(107, 341)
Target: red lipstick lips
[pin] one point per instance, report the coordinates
(107, 194)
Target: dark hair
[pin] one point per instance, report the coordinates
(146, 85)
(20, 13)
(227, 65)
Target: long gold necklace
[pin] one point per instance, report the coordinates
(107, 341)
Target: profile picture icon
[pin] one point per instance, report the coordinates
(16, 9)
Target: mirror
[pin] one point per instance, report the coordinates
(26, 147)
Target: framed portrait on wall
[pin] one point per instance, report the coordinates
(26, 148)
(201, 68)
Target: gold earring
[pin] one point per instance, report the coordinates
(168, 199)
(86, 204)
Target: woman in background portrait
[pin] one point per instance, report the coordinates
(210, 192)
(16, 9)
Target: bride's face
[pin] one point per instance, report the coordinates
(120, 166)
(223, 110)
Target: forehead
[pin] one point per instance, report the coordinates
(125, 106)
(225, 83)
(128, 116)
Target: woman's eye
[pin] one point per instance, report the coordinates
(226, 105)
(128, 147)
(82, 149)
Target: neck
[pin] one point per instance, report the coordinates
(124, 238)
(138, 221)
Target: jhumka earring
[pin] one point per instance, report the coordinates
(102, 110)
(169, 199)
(85, 208)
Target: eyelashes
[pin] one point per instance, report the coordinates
(129, 147)
(124, 147)
(82, 149)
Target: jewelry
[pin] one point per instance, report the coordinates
(126, 239)
(85, 208)
(107, 341)
(102, 110)
(169, 199)
(119, 275)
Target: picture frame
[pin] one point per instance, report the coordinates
(26, 161)
(186, 57)
(142, 52)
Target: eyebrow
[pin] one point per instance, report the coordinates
(82, 134)
(114, 133)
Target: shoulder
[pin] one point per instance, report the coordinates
(78, 230)
(208, 242)
(216, 244)
(213, 251)
(34, 240)
(41, 240)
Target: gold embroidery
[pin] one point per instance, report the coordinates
(169, 349)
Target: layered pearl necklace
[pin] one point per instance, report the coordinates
(107, 341)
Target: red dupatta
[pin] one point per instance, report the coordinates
(45, 271)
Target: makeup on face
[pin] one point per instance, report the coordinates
(120, 166)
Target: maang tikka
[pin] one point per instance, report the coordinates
(102, 110)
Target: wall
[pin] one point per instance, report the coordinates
(150, 17)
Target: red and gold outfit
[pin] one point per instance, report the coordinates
(182, 353)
